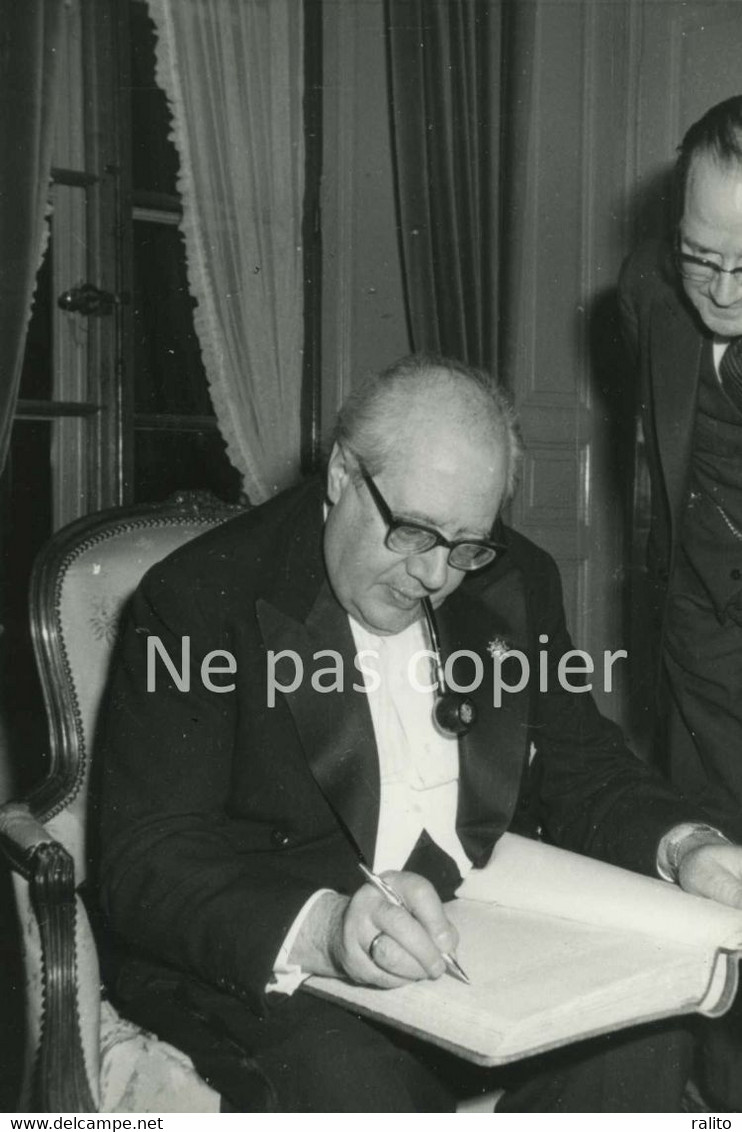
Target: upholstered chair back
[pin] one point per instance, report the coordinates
(80, 587)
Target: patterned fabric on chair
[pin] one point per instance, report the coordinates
(81, 1055)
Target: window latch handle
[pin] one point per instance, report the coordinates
(87, 299)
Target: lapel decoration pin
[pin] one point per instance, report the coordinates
(498, 648)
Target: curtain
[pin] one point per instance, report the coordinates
(232, 71)
(443, 58)
(29, 34)
(519, 79)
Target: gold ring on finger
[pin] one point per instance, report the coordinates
(373, 944)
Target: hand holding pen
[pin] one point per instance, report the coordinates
(391, 931)
(381, 885)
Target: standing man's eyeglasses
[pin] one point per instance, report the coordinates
(404, 536)
(702, 270)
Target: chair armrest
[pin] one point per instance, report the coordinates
(20, 836)
(60, 1081)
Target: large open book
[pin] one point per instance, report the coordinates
(558, 948)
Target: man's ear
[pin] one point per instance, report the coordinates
(338, 472)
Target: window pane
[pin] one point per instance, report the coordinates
(170, 461)
(154, 157)
(25, 525)
(36, 376)
(169, 374)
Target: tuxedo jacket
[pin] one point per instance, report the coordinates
(666, 338)
(220, 814)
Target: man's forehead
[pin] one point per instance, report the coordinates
(440, 400)
(436, 419)
(460, 449)
(455, 485)
(712, 181)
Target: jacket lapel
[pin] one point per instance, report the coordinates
(492, 754)
(675, 347)
(302, 616)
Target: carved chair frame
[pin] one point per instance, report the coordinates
(58, 1080)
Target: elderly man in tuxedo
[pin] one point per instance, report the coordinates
(682, 309)
(238, 796)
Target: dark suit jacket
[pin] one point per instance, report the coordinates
(221, 815)
(666, 337)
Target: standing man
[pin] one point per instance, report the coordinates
(239, 792)
(682, 310)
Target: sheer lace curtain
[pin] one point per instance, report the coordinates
(232, 71)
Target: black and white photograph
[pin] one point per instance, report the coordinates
(370, 561)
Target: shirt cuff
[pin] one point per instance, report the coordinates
(679, 840)
(288, 977)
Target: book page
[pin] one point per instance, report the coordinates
(532, 876)
(537, 982)
(550, 980)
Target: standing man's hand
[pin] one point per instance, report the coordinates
(340, 933)
(713, 870)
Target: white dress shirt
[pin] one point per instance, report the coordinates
(719, 347)
(418, 767)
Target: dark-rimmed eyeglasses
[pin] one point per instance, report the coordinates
(702, 270)
(404, 536)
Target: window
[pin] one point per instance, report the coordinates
(114, 405)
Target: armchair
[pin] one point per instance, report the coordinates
(81, 1055)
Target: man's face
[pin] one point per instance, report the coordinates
(712, 229)
(440, 480)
